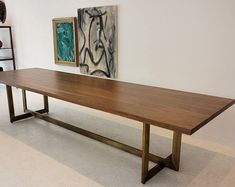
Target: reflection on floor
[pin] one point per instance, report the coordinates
(36, 153)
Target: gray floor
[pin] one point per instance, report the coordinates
(110, 167)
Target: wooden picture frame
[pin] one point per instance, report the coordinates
(65, 41)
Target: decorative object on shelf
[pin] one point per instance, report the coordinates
(65, 41)
(1, 44)
(97, 41)
(3, 12)
(7, 49)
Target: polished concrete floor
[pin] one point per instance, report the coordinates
(36, 153)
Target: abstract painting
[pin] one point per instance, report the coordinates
(65, 41)
(97, 41)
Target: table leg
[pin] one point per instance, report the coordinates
(145, 151)
(171, 161)
(46, 104)
(25, 107)
(10, 103)
(12, 115)
(176, 148)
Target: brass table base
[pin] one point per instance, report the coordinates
(172, 161)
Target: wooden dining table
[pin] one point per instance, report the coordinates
(178, 111)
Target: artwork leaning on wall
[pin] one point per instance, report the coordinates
(97, 41)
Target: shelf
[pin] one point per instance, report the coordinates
(8, 48)
(5, 27)
(5, 58)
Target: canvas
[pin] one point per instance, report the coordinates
(65, 44)
(65, 40)
(97, 41)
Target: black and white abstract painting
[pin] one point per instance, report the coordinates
(97, 41)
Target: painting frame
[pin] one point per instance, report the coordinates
(73, 22)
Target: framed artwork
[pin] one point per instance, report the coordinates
(65, 41)
(98, 41)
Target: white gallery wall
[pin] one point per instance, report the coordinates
(180, 44)
(184, 44)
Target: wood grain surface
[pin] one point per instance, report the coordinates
(180, 111)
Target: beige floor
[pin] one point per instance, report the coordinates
(35, 153)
